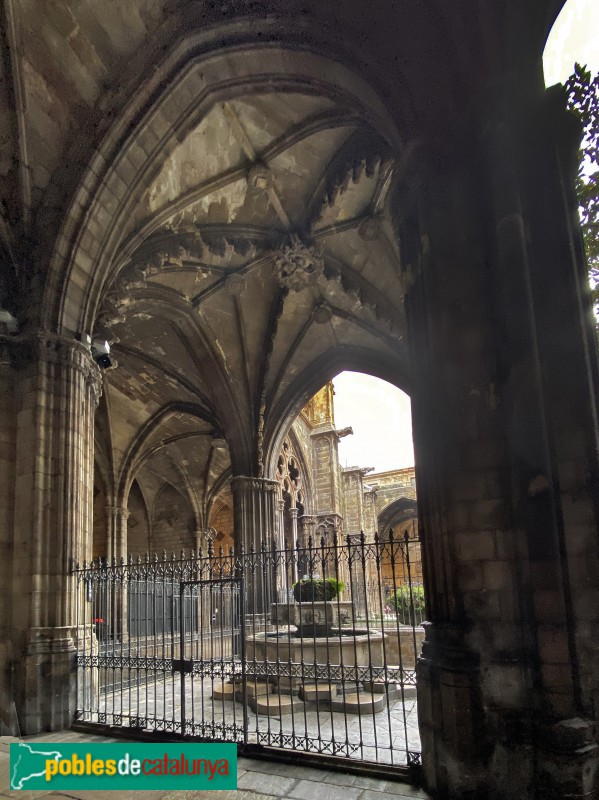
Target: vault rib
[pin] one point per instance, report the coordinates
(291, 351)
(184, 476)
(248, 149)
(316, 124)
(199, 298)
(185, 383)
(373, 295)
(244, 352)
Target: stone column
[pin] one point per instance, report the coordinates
(293, 515)
(308, 526)
(468, 547)
(549, 363)
(117, 554)
(59, 388)
(294, 538)
(283, 571)
(254, 511)
(353, 495)
(117, 533)
(504, 405)
(255, 526)
(8, 718)
(281, 520)
(327, 489)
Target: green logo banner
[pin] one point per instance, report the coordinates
(59, 767)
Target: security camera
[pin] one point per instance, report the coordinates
(101, 353)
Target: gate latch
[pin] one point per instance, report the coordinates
(182, 665)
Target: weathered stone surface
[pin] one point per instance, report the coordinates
(275, 705)
(360, 702)
(156, 160)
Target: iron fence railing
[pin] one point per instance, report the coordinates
(224, 645)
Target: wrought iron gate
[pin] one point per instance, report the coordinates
(253, 648)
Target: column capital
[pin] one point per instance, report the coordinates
(43, 348)
(247, 483)
(254, 509)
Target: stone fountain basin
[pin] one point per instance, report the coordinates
(334, 613)
(351, 647)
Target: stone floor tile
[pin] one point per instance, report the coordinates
(297, 771)
(233, 794)
(311, 790)
(6, 741)
(270, 767)
(405, 790)
(226, 794)
(369, 794)
(268, 784)
(335, 777)
(257, 780)
(74, 794)
(365, 782)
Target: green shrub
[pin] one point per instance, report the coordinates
(317, 589)
(410, 608)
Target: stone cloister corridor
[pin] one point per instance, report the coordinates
(210, 209)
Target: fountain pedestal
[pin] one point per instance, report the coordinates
(312, 657)
(329, 614)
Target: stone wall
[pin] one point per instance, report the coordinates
(172, 522)
(7, 455)
(100, 522)
(353, 500)
(138, 530)
(392, 484)
(322, 470)
(223, 523)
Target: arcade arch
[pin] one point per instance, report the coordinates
(306, 234)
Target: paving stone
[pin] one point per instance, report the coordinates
(227, 794)
(258, 779)
(298, 772)
(233, 794)
(338, 778)
(376, 784)
(275, 768)
(310, 790)
(270, 784)
(106, 795)
(406, 792)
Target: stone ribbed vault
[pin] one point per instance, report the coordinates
(245, 197)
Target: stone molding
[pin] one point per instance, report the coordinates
(117, 512)
(255, 484)
(43, 348)
(298, 265)
(50, 640)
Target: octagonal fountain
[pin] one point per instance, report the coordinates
(314, 657)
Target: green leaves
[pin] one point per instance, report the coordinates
(408, 601)
(317, 589)
(583, 100)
